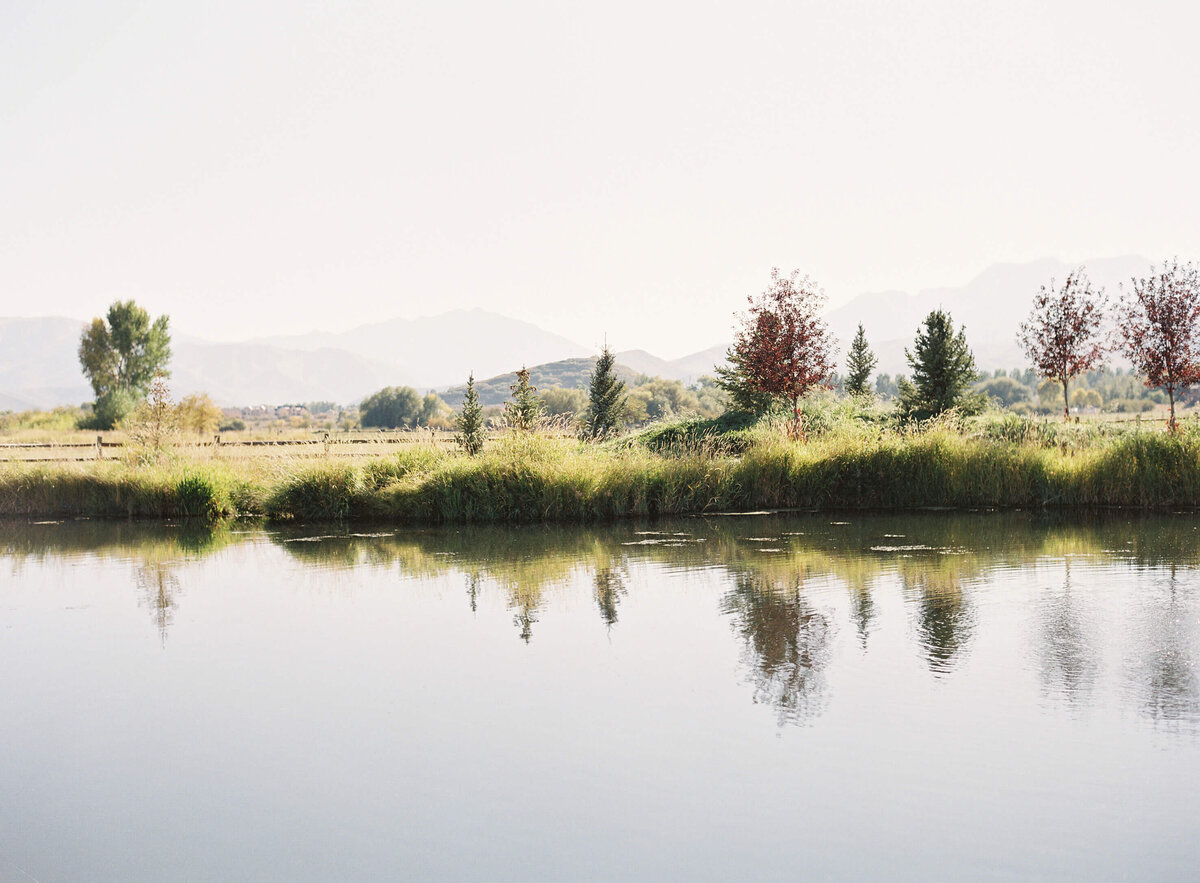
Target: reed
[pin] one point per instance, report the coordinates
(850, 461)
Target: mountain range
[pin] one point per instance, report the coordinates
(991, 308)
(39, 367)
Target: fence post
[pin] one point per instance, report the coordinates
(99, 447)
(326, 443)
(217, 445)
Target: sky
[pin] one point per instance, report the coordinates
(615, 171)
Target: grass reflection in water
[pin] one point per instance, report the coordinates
(787, 635)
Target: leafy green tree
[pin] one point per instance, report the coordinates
(121, 357)
(567, 403)
(110, 408)
(860, 362)
(1005, 390)
(524, 409)
(391, 408)
(470, 421)
(432, 407)
(943, 369)
(606, 399)
(886, 387)
(198, 413)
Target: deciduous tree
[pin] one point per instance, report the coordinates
(154, 423)
(432, 408)
(1062, 336)
(782, 348)
(121, 357)
(1160, 329)
(391, 408)
(198, 413)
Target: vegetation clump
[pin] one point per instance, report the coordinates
(782, 349)
(1062, 336)
(1160, 328)
(860, 362)
(943, 369)
(606, 399)
(470, 422)
(524, 409)
(121, 357)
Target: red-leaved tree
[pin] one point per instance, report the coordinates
(783, 345)
(1160, 329)
(1062, 334)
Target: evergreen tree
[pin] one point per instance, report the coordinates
(524, 409)
(606, 398)
(743, 395)
(943, 369)
(860, 362)
(470, 421)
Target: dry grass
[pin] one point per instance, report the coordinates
(851, 461)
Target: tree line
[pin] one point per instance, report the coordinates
(782, 351)
(781, 348)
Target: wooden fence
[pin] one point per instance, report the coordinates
(330, 444)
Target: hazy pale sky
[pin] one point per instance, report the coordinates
(633, 169)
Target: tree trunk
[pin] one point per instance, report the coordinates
(1171, 423)
(1066, 403)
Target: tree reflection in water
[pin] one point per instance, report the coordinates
(158, 587)
(945, 619)
(1066, 647)
(1164, 673)
(940, 562)
(608, 587)
(862, 611)
(787, 645)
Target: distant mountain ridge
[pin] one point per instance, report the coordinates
(991, 307)
(440, 350)
(566, 374)
(39, 367)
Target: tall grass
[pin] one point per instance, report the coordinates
(851, 461)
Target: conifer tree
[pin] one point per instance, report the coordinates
(470, 421)
(860, 362)
(943, 368)
(524, 409)
(735, 382)
(606, 398)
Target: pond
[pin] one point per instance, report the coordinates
(746, 697)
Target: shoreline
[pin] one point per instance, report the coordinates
(536, 479)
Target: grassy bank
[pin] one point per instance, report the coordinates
(685, 468)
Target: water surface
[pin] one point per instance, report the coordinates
(754, 697)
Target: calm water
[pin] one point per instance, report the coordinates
(749, 697)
